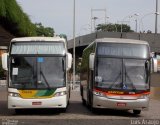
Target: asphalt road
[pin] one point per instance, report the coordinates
(77, 114)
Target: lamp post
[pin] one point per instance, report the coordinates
(129, 16)
(156, 17)
(141, 20)
(94, 18)
(107, 20)
(74, 41)
(123, 21)
(105, 16)
(136, 21)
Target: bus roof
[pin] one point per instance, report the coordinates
(23, 39)
(120, 40)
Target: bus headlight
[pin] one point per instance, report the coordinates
(60, 93)
(99, 93)
(13, 94)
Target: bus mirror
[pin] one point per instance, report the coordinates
(69, 61)
(154, 65)
(5, 61)
(91, 61)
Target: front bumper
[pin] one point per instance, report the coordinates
(20, 103)
(136, 104)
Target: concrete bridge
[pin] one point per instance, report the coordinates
(83, 41)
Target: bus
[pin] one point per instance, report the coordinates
(115, 74)
(38, 73)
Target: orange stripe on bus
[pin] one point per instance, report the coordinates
(106, 93)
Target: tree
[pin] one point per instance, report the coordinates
(63, 36)
(113, 27)
(44, 31)
(13, 19)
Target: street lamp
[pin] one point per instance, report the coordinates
(74, 41)
(136, 21)
(107, 19)
(123, 21)
(156, 17)
(94, 18)
(129, 16)
(141, 20)
(92, 10)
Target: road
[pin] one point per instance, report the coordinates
(77, 114)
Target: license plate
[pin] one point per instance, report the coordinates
(120, 104)
(36, 103)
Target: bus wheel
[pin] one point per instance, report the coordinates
(136, 112)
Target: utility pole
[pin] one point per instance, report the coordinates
(91, 19)
(156, 17)
(95, 18)
(74, 41)
(136, 25)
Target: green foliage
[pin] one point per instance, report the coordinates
(44, 31)
(15, 20)
(63, 36)
(2, 8)
(113, 28)
(85, 57)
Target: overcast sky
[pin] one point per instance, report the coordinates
(58, 14)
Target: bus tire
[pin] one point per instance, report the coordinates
(136, 112)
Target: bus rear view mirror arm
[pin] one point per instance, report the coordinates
(5, 61)
(91, 61)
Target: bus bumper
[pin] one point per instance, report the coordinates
(136, 104)
(54, 102)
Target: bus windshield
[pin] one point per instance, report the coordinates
(37, 72)
(123, 50)
(118, 73)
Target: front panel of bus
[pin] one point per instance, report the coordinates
(37, 76)
(122, 72)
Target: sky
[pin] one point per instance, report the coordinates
(58, 14)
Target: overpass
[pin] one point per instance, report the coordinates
(83, 41)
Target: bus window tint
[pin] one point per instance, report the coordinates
(41, 72)
(123, 50)
(109, 69)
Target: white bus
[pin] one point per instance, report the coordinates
(37, 73)
(115, 74)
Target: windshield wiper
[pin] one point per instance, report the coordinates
(45, 79)
(119, 75)
(126, 75)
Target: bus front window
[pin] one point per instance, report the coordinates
(110, 72)
(136, 74)
(126, 74)
(51, 72)
(37, 72)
